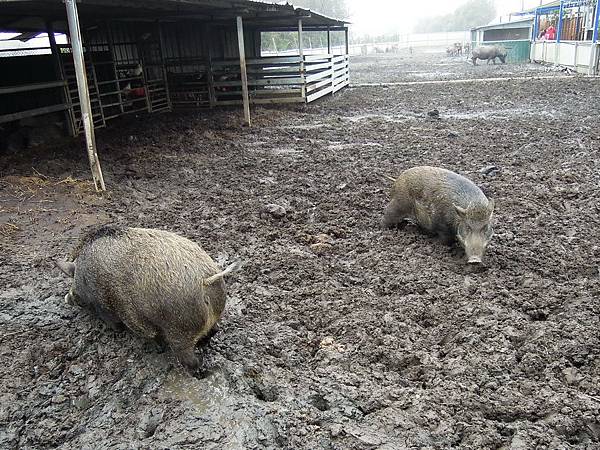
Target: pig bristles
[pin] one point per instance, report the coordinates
(231, 268)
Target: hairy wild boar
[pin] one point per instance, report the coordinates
(443, 203)
(158, 284)
(489, 52)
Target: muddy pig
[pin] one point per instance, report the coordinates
(489, 52)
(160, 285)
(443, 203)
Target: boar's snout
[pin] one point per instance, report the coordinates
(474, 245)
(474, 260)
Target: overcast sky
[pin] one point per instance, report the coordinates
(381, 16)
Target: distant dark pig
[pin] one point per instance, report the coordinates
(159, 284)
(443, 203)
(489, 52)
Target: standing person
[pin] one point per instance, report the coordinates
(551, 33)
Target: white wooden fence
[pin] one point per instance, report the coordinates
(279, 79)
(580, 56)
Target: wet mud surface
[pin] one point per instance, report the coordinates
(427, 67)
(337, 334)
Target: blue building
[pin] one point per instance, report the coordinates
(573, 42)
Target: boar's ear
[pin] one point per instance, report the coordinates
(68, 268)
(491, 205)
(462, 212)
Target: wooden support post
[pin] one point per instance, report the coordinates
(243, 74)
(346, 39)
(559, 33)
(210, 78)
(561, 13)
(330, 54)
(301, 53)
(347, 61)
(60, 76)
(257, 38)
(84, 97)
(141, 50)
(594, 54)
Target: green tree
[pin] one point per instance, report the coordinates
(471, 14)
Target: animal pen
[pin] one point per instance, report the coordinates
(134, 56)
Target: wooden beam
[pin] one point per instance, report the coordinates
(210, 78)
(84, 94)
(244, 75)
(346, 41)
(32, 113)
(330, 53)
(31, 87)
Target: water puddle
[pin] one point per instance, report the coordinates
(345, 146)
(207, 394)
(286, 151)
(432, 74)
(503, 114)
(397, 118)
(301, 127)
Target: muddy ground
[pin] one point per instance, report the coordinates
(423, 65)
(379, 340)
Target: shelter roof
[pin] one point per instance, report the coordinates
(24, 15)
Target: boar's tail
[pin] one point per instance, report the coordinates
(230, 268)
(393, 180)
(68, 268)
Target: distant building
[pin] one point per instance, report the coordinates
(566, 34)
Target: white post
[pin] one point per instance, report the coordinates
(84, 95)
(244, 75)
(301, 53)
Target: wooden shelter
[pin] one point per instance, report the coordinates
(129, 56)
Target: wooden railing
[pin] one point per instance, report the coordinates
(190, 83)
(287, 79)
(325, 74)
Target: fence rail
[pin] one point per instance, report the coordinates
(278, 79)
(580, 56)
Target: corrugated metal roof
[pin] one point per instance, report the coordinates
(512, 24)
(25, 15)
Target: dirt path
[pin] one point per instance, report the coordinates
(384, 340)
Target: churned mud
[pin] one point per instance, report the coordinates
(421, 66)
(337, 334)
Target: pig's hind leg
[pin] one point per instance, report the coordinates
(109, 318)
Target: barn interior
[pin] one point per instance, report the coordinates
(106, 58)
